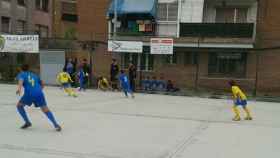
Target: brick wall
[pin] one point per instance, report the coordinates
(92, 25)
(268, 35)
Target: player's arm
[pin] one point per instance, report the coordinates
(58, 79)
(99, 84)
(19, 87)
(69, 77)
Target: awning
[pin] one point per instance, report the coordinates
(146, 8)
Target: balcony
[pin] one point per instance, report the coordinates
(69, 11)
(217, 30)
(56, 43)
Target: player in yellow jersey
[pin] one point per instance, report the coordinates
(239, 99)
(103, 84)
(65, 80)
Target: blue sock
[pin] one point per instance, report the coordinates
(51, 118)
(23, 114)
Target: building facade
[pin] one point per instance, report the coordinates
(26, 17)
(214, 41)
(65, 19)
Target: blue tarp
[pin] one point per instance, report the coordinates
(126, 7)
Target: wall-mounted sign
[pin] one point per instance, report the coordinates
(19, 43)
(125, 46)
(161, 46)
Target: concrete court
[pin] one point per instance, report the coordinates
(107, 125)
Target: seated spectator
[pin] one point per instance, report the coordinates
(103, 84)
(170, 87)
(146, 84)
(154, 84)
(161, 84)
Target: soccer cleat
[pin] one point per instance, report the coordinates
(248, 118)
(236, 118)
(58, 128)
(26, 125)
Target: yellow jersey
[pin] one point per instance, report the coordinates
(103, 82)
(237, 93)
(64, 77)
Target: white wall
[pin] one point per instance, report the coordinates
(167, 29)
(192, 11)
(252, 13)
(51, 63)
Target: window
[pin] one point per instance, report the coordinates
(5, 24)
(167, 11)
(147, 62)
(227, 64)
(20, 26)
(45, 5)
(143, 61)
(69, 17)
(21, 2)
(170, 59)
(38, 4)
(231, 15)
(190, 58)
(43, 31)
(69, 11)
(42, 5)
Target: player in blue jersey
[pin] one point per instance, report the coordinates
(82, 79)
(124, 83)
(33, 94)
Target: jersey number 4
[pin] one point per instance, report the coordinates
(31, 81)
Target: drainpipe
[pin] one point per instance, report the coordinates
(256, 38)
(115, 24)
(179, 17)
(197, 65)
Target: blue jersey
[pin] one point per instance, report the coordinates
(31, 83)
(123, 79)
(81, 74)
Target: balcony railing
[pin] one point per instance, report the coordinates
(227, 30)
(56, 43)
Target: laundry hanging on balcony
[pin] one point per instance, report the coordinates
(133, 8)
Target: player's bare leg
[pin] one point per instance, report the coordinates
(248, 114)
(237, 113)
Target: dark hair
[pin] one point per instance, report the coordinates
(114, 60)
(25, 67)
(232, 83)
(122, 71)
(64, 69)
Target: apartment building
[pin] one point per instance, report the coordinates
(214, 41)
(65, 19)
(24, 17)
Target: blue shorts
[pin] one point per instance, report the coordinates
(38, 100)
(66, 85)
(126, 87)
(242, 103)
